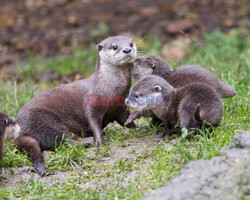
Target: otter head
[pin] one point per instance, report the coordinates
(117, 51)
(149, 65)
(149, 93)
(8, 130)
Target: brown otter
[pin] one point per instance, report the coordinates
(191, 105)
(8, 130)
(181, 76)
(152, 65)
(82, 107)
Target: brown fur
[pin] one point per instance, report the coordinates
(5, 121)
(180, 76)
(191, 105)
(191, 73)
(52, 115)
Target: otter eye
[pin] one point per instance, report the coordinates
(131, 44)
(99, 47)
(6, 122)
(115, 47)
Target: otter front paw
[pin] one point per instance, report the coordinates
(130, 119)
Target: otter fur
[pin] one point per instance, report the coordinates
(192, 105)
(9, 129)
(181, 76)
(153, 65)
(83, 107)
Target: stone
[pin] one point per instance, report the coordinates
(223, 177)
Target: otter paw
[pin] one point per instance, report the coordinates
(130, 120)
(131, 125)
(40, 168)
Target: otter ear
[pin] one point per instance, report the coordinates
(157, 88)
(99, 47)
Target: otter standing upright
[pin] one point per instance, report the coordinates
(48, 118)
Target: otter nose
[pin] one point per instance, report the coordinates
(126, 50)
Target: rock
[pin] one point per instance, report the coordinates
(177, 49)
(85, 141)
(88, 140)
(46, 155)
(223, 177)
(241, 141)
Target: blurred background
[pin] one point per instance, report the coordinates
(48, 28)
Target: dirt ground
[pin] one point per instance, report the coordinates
(52, 26)
(11, 177)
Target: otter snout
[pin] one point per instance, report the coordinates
(127, 101)
(130, 101)
(127, 50)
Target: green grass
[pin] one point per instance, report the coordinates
(134, 162)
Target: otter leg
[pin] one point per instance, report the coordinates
(95, 126)
(167, 133)
(188, 121)
(32, 147)
(45, 127)
(156, 122)
(95, 116)
(169, 126)
(137, 114)
(124, 115)
(132, 117)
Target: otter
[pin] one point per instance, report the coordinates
(152, 65)
(83, 107)
(192, 105)
(9, 129)
(181, 76)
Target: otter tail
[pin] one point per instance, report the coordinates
(32, 148)
(207, 116)
(226, 91)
